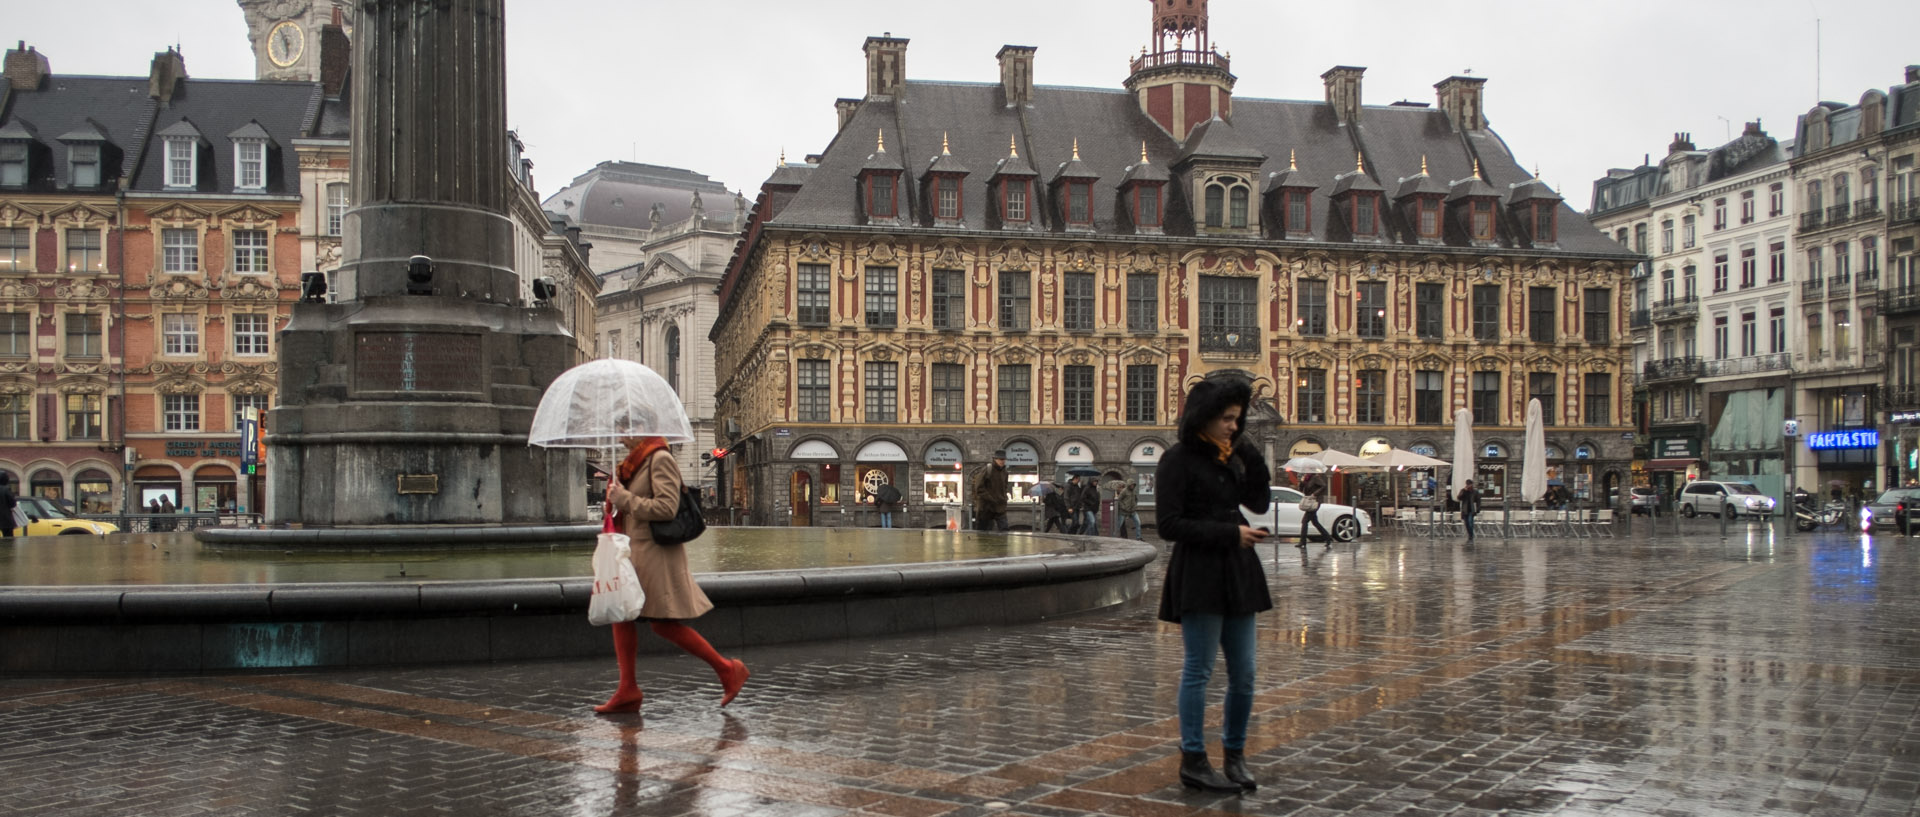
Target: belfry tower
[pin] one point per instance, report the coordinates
(1178, 79)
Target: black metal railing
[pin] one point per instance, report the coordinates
(1810, 220)
(1900, 300)
(1839, 283)
(165, 522)
(1866, 209)
(1239, 342)
(1812, 286)
(1901, 397)
(1674, 368)
(1908, 210)
(1640, 319)
(1839, 213)
(1868, 281)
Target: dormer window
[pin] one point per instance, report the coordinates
(947, 198)
(1299, 212)
(1227, 204)
(181, 163)
(1543, 221)
(1146, 205)
(1015, 192)
(1480, 220)
(1079, 203)
(1366, 214)
(880, 195)
(13, 164)
(83, 165)
(250, 165)
(1427, 219)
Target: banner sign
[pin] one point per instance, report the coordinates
(1825, 440)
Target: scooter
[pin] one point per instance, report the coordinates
(1807, 518)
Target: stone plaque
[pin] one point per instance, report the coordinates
(419, 483)
(416, 361)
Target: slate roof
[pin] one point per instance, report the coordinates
(117, 107)
(1110, 128)
(218, 107)
(623, 194)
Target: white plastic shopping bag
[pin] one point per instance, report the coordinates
(616, 588)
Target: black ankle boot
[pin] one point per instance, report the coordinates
(1196, 772)
(1235, 767)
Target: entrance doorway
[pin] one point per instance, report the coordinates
(801, 494)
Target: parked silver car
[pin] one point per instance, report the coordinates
(1732, 499)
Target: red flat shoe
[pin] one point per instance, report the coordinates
(732, 680)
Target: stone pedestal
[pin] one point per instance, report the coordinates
(408, 401)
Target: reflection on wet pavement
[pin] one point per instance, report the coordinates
(1678, 675)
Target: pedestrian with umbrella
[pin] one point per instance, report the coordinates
(606, 402)
(1054, 502)
(1214, 584)
(1083, 496)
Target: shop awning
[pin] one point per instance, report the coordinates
(1675, 464)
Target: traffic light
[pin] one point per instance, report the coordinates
(719, 453)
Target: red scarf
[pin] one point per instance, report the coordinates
(638, 457)
(1225, 446)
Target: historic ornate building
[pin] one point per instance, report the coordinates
(152, 248)
(1048, 269)
(1899, 151)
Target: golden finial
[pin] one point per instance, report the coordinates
(1476, 167)
(1076, 149)
(1536, 171)
(1290, 163)
(1423, 164)
(1359, 163)
(1013, 150)
(783, 158)
(943, 145)
(1143, 151)
(881, 140)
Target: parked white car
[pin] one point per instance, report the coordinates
(1344, 522)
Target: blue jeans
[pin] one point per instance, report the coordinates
(886, 519)
(1467, 520)
(1201, 632)
(1120, 521)
(1088, 522)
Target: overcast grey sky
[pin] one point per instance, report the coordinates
(721, 87)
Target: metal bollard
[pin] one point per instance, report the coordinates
(1723, 522)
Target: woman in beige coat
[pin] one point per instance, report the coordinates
(648, 490)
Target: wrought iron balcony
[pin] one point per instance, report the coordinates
(1640, 319)
(1867, 282)
(1900, 300)
(1901, 397)
(1755, 364)
(1238, 342)
(1866, 209)
(1908, 210)
(1674, 368)
(1839, 213)
(1677, 308)
(1810, 220)
(1838, 284)
(1812, 286)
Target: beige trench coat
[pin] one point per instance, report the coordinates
(664, 575)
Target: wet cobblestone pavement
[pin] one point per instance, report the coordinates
(1661, 676)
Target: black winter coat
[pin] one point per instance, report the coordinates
(1197, 503)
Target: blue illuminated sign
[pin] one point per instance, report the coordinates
(1822, 440)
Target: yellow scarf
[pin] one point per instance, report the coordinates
(1225, 446)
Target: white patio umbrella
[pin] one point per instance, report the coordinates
(601, 402)
(1342, 459)
(1305, 465)
(1533, 463)
(1402, 458)
(1462, 451)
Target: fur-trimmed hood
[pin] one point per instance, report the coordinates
(1207, 400)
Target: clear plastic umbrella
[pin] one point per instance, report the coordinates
(601, 402)
(1306, 465)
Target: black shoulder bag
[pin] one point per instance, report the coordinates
(686, 525)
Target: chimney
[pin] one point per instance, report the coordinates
(26, 67)
(1460, 97)
(1016, 74)
(336, 54)
(1681, 142)
(845, 109)
(166, 72)
(1753, 129)
(1343, 92)
(886, 65)
(1913, 73)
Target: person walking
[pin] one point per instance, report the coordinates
(648, 490)
(886, 500)
(1077, 490)
(1126, 508)
(7, 504)
(1054, 503)
(1214, 582)
(1088, 512)
(1469, 507)
(990, 495)
(1310, 490)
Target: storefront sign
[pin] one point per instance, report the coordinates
(1674, 448)
(1022, 455)
(1824, 440)
(1904, 417)
(783, 432)
(1145, 454)
(1584, 452)
(943, 455)
(1375, 447)
(1074, 454)
(813, 450)
(881, 451)
(204, 448)
(1424, 450)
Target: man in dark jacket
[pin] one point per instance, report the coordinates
(1469, 507)
(990, 495)
(1084, 497)
(1055, 503)
(7, 505)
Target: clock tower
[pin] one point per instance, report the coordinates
(286, 37)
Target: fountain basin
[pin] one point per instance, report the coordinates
(66, 608)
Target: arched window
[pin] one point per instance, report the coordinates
(1238, 210)
(673, 357)
(1216, 205)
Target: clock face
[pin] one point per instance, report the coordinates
(285, 43)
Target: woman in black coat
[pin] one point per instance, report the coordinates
(1215, 584)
